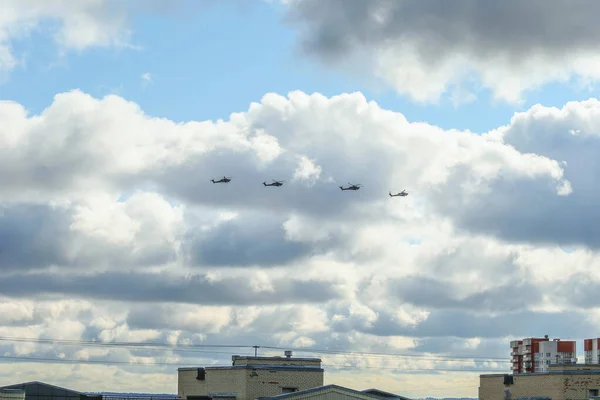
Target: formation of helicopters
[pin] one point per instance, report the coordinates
(351, 186)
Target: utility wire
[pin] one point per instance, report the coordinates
(176, 347)
(302, 350)
(179, 364)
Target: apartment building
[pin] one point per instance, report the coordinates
(249, 378)
(555, 352)
(591, 348)
(532, 355)
(524, 354)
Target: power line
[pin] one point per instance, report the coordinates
(46, 360)
(362, 353)
(192, 348)
(109, 345)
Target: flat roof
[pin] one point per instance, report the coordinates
(278, 358)
(258, 366)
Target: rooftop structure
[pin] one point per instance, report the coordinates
(250, 377)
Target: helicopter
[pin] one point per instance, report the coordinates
(224, 180)
(275, 183)
(351, 187)
(402, 194)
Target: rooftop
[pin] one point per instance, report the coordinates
(369, 393)
(259, 367)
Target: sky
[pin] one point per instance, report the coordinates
(115, 116)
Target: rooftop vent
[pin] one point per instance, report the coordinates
(288, 353)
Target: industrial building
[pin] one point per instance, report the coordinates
(533, 355)
(335, 392)
(591, 349)
(249, 378)
(12, 394)
(43, 391)
(559, 382)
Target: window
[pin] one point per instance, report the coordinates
(288, 389)
(593, 392)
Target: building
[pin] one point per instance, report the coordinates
(555, 352)
(533, 355)
(523, 354)
(335, 392)
(249, 378)
(12, 394)
(591, 348)
(516, 356)
(43, 391)
(560, 382)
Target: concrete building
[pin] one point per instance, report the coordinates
(533, 355)
(555, 352)
(560, 382)
(591, 348)
(43, 391)
(335, 392)
(249, 378)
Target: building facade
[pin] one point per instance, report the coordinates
(249, 378)
(533, 355)
(555, 352)
(560, 382)
(524, 354)
(12, 394)
(591, 348)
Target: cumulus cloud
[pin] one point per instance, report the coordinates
(427, 48)
(112, 230)
(82, 24)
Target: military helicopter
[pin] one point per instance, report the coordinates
(275, 183)
(224, 180)
(351, 187)
(402, 194)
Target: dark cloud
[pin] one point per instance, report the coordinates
(30, 236)
(439, 29)
(148, 287)
(520, 209)
(443, 294)
(40, 236)
(249, 240)
(466, 324)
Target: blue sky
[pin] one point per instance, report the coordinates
(496, 240)
(219, 62)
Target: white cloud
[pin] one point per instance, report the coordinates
(81, 24)
(146, 78)
(113, 209)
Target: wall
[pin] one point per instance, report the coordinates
(248, 384)
(571, 386)
(266, 383)
(12, 395)
(224, 381)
